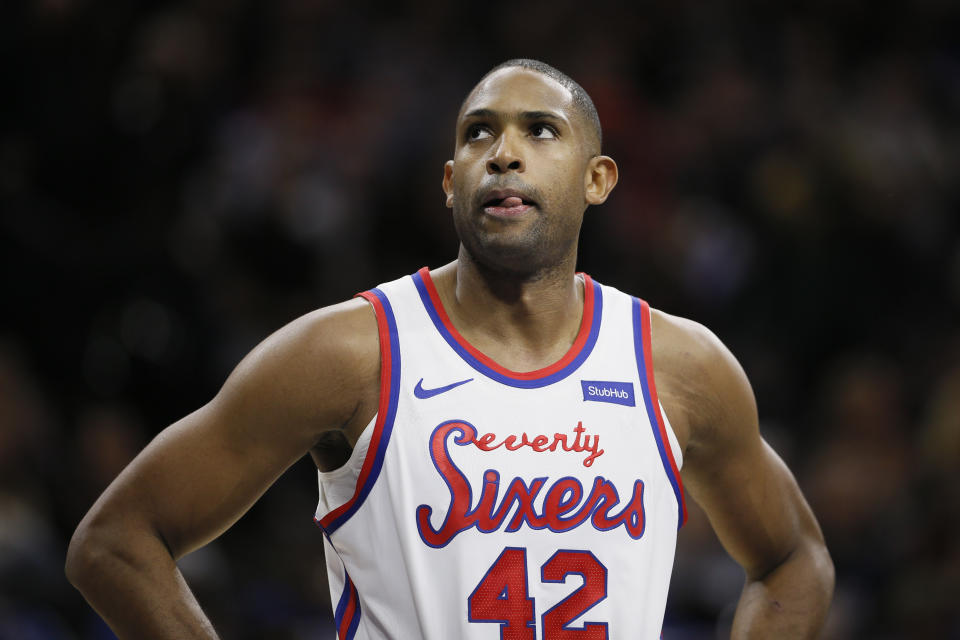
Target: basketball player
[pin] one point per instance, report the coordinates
(500, 440)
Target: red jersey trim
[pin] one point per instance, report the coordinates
(645, 354)
(386, 411)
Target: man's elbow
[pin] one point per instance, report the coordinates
(86, 552)
(811, 573)
(98, 546)
(823, 567)
(807, 570)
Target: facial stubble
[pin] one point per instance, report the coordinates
(527, 247)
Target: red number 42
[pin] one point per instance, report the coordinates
(502, 596)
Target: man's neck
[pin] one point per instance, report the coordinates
(523, 322)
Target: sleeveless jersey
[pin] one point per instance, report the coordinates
(483, 504)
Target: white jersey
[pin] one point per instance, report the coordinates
(484, 504)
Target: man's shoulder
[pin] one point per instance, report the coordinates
(344, 332)
(318, 370)
(347, 331)
(683, 343)
(697, 376)
(332, 345)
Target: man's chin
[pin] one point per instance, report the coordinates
(514, 244)
(513, 256)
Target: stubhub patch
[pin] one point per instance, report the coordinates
(608, 391)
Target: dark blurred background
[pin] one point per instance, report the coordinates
(177, 180)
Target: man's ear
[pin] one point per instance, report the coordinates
(448, 182)
(600, 178)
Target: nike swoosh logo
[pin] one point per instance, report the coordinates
(422, 393)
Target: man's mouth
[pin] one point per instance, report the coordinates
(507, 204)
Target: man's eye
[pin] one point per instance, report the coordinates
(477, 133)
(543, 131)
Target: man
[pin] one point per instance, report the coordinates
(515, 431)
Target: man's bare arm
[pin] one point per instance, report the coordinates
(198, 476)
(748, 493)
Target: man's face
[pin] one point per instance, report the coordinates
(517, 181)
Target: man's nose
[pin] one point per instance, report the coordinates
(506, 156)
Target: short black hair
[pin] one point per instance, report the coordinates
(581, 99)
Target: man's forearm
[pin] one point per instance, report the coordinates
(136, 587)
(791, 601)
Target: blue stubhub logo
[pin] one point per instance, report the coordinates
(607, 391)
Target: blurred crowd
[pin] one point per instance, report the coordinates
(177, 180)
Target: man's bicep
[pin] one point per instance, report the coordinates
(755, 507)
(748, 493)
(199, 475)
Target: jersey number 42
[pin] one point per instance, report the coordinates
(502, 596)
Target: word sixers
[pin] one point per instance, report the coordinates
(564, 507)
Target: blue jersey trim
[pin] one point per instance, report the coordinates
(350, 594)
(651, 409)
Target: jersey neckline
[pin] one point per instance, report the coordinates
(582, 345)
